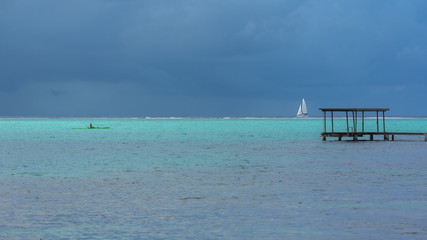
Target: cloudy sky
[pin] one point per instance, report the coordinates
(211, 57)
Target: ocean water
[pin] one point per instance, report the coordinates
(209, 179)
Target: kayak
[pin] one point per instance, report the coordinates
(93, 128)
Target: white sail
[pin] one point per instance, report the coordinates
(299, 111)
(304, 107)
(302, 110)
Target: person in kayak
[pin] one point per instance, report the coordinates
(90, 125)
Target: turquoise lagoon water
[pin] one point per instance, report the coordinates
(208, 179)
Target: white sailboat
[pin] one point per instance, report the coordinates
(302, 110)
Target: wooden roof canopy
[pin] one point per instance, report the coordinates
(354, 109)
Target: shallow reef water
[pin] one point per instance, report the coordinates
(208, 179)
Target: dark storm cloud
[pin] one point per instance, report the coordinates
(210, 57)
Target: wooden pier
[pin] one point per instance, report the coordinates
(353, 131)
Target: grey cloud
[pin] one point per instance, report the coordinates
(217, 53)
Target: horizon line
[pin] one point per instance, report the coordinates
(195, 116)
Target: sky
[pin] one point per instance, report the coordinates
(211, 58)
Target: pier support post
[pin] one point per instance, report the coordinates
(378, 124)
(339, 138)
(386, 137)
(384, 120)
(392, 137)
(324, 138)
(363, 121)
(324, 119)
(346, 117)
(371, 137)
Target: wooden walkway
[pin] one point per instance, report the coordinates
(356, 136)
(355, 133)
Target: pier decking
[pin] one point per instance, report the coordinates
(354, 132)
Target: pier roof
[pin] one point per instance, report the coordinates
(354, 109)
